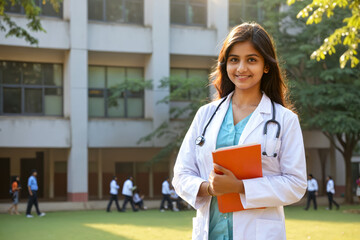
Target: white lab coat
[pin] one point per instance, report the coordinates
(284, 177)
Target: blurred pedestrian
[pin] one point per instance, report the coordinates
(312, 191)
(330, 190)
(127, 191)
(114, 187)
(15, 187)
(176, 200)
(165, 190)
(33, 198)
(139, 200)
(358, 188)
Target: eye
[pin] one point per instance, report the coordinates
(251, 60)
(233, 60)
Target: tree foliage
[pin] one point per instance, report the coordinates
(325, 95)
(190, 94)
(346, 35)
(32, 12)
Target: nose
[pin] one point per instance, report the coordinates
(242, 67)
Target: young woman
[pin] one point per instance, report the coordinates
(251, 90)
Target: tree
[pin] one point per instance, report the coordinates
(32, 12)
(191, 94)
(325, 95)
(348, 35)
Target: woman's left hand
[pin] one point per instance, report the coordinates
(223, 181)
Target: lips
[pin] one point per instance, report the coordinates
(242, 77)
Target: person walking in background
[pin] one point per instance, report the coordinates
(330, 190)
(114, 187)
(165, 190)
(127, 191)
(358, 188)
(15, 187)
(33, 199)
(312, 189)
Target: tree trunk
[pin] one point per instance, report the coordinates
(323, 153)
(348, 180)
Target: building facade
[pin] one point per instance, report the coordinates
(54, 111)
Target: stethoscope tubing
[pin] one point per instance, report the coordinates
(200, 140)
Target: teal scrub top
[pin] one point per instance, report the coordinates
(221, 224)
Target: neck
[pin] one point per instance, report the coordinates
(246, 98)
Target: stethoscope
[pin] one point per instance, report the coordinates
(200, 140)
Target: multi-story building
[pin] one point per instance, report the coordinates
(54, 112)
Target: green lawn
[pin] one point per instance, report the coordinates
(152, 224)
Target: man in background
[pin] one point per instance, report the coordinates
(165, 190)
(114, 187)
(33, 199)
(127, 191)
(312, 190)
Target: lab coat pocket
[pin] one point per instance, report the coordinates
(270, 230)
(196, 228)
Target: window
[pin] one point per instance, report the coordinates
(243, 11)
(45, 6)
(197, 84)
(31, 89)
(188, 12)
(122, 11)
(102, 81)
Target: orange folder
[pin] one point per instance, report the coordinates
(245, 162)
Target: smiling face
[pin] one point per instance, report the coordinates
(245, 67)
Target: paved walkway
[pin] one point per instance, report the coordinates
(50, 206)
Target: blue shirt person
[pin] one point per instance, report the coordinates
(33, 188)
(32, 183)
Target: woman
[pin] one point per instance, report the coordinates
(15, 187)
(247, 79)
(330, 190)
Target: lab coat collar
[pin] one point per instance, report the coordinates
(257, 117)
(265, 104)
(255, 120)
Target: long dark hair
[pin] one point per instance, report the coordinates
(272, 83)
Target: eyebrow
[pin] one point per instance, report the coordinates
(250, 55)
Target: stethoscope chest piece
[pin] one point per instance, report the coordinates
(200, 140)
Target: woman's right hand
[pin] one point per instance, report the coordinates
(223, 181)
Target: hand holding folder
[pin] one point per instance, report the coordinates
(244, 161)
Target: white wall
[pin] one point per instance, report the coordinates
(56, 35)
(34, 132)
(110, 37)
(118, 133)
(196, 41)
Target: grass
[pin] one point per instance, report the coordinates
(152, 224)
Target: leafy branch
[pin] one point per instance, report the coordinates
(32, 12)
(347, 35)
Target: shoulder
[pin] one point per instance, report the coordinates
(286, 113)
(208, 109)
